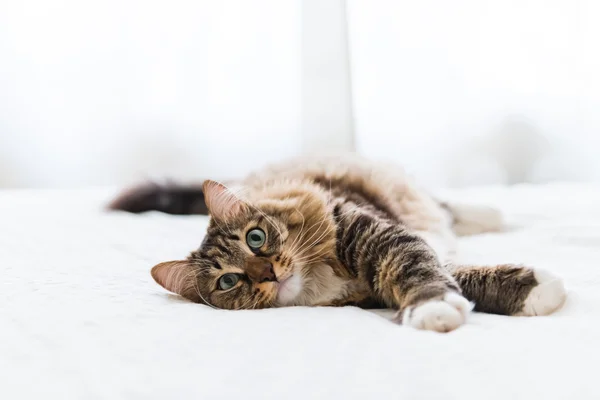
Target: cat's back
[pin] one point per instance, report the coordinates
(383, 185)
(345, 169)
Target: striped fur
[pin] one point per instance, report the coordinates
(339, 231)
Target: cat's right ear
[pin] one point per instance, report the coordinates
(177, 277)
(221, 202)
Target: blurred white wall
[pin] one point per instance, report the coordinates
(463, 92)
(326, 93)
(466, 92)
(106, 92)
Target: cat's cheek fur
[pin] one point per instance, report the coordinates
(545, 298)
(443, 315)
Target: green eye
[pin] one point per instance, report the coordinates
(256, 238)
(228, 281)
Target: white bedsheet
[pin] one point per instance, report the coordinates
(81, 318)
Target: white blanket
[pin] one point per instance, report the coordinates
(81, 318)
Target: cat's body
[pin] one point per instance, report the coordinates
(340, 231)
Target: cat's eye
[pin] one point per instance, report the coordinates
(256, 238)
(228, 281)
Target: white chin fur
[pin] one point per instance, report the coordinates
(546, 297)
(289, 290)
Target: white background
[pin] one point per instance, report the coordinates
(462, 93)
(479, 91)
(106, 92)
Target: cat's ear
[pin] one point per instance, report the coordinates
(177, 277)
(221, 202)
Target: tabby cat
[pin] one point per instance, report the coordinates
(340, 231)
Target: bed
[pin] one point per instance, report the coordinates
(81, 318)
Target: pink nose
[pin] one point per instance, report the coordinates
(260, 270)
(268, 275)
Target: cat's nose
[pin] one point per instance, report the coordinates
(268, 275)
(260, 270)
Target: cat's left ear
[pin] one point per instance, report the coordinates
(221, 202)
(177, 277)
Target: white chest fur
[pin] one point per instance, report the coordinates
(312, 285)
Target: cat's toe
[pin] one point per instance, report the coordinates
(443, 315)
(545, 298)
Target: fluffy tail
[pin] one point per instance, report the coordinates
(169, 198)
(474, 219)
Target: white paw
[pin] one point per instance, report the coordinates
(439, 315)
(546, 297)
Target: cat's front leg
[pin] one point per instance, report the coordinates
(426, 296)
(401, 270)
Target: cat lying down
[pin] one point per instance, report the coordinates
(340, 231)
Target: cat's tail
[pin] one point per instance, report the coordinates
(170, 198)
(470, 219)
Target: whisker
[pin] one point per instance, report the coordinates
(308, 246)
(245, 303)
(316, 231)
(312, 257)
(259, 297)
(298, 257)
(267, 218)
(292, 248)
(200, 294)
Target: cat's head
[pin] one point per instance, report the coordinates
(258, 250)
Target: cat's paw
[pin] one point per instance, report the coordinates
(443, 315)
(545, 298)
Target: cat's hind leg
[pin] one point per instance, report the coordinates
(510, 289)
(469, 219)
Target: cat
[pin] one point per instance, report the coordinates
(335, 231)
